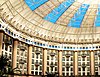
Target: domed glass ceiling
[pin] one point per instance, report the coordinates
(70, 13)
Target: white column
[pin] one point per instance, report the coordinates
(44, 61)
(92, 63)
(1, 41)
(14, 53)
(29, 59)
(76, 63)
(60, 63)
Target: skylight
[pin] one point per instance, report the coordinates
(78, 16)
(33, 4)
(58, 11)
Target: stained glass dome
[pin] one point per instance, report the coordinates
(54, 20)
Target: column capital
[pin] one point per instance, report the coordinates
(16, 39)
(91, 50)
(30, 45)
(60, 50)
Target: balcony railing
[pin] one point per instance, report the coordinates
(23, 48)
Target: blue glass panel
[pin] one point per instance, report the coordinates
(97, 20)
(58, 11)
(33, 4)
(78, 16)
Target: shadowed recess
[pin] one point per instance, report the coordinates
(33, 4)
(78, 16)
(54, 15)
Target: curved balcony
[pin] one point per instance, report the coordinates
(23, 48)
(84, 55)
(21, 61)
(52, 54)
(37, 52)
(68, 55)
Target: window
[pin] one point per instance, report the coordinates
(6, 47)
(6, 54)
(32, 55)
(55, 68)
(32, 72)
(83, 73)
(40, 56)
(47, 68)
(79, 69)
(83, 59)
(36, 73)
(67, 69)
(32, 61)
(40, 73)
(32, 67)
(63, 63)
(89, 73)
(83, 69)
(71, 59)
(96, 73)
(47, 63)
(36, 68)
(10, 56)
(63, 59)
(40, 67)
(71, 69)
(47, 57)
(63, 69)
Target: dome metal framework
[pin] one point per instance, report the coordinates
(63, 21)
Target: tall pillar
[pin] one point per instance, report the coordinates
(1, 41)
(76, 63)
(60, 63)
(29, 59)
(92, 62)
(14, 53)
(44, 61)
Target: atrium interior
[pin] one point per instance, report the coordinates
(42, 37)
